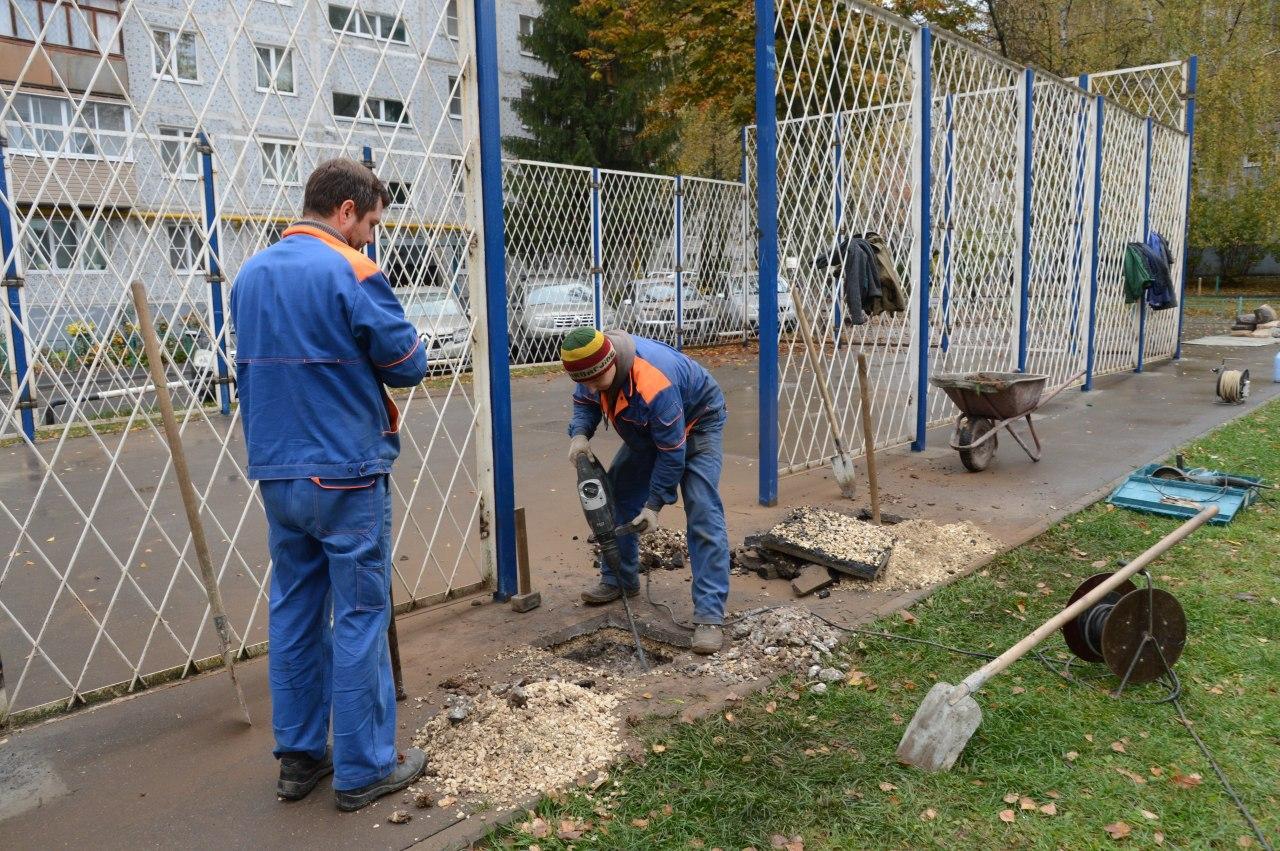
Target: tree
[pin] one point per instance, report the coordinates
(1238, 226)
(583, 112)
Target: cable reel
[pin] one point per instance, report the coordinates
(1139, 633)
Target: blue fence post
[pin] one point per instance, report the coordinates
(1189, 122)
(1146, 231)
(837, 213)
(948, 169)
(215, 272)
(597, 252)
(924, 238)
(1026, 142)
(12, 282)
(678, 259)
(766, 65)
(1077, 229)
(495, 277)
(371, 250)
(1095, 227)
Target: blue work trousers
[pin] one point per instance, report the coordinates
(330, 545)
(707, 534)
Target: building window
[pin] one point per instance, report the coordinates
(1251, 165)
(455, 176)
(455, 98)
(84, 25)
(400, 192)
(42, 124)
(178, 152)
(377, 110)
(55, 243)
(279, 162)
(185, 245)
(526, 32)
(451, 19)
(352, 21)
(275, 69)
(174, 55)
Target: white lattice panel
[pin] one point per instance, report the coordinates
(1155, 90)
(1168, 218)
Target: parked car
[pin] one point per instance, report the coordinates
(542, 311)
(443, 326)
(648, 308)
(737, 304)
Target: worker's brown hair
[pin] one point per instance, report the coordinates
(341, 179)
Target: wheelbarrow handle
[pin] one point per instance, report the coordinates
(978, 678)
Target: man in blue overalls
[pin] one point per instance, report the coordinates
(670, 414)
(319, 334)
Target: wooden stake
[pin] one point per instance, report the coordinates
(868, 438)
(190, 501)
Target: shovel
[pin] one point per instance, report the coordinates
(842, 463)
(949, 715)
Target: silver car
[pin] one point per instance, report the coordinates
(542, 311)
(443, 326)
(649, 309)
(737, 304)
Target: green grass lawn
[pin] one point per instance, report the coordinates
(1061, 761)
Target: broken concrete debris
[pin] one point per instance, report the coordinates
(812, 578)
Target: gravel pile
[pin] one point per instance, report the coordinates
(926, 553)
(834, 535)
(534, 738)
(663, 549)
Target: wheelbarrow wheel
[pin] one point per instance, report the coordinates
(976, 459)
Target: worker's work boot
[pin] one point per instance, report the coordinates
(708, 638)
(408, 767)
(601, 593)
(299, 774)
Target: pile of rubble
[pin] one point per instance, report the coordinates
(520, 739)
(661, 549)
(789, 639)
(926, 553)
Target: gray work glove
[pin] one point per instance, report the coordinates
(579, 445)
(645, 521)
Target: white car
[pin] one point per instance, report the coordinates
(443, 326)
(738, 304)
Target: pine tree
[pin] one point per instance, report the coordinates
(582, 113)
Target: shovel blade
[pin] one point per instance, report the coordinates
(842, 467)
(938, 731)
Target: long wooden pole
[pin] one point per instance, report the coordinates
(868, 438)
(190, 502)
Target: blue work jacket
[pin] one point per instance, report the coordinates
(318, 334)
(664, 397)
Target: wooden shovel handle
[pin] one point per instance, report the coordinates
(975, 681)
(828, 406)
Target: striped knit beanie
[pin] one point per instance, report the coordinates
(586, 353)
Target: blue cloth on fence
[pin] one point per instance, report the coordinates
(707, 535)
(330, 544)
(1159, 260)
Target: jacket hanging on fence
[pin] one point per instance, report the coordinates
(871, 284)
(1147, 275)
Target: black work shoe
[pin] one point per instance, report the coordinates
(601, 593)
(408, 766)
(299, 774)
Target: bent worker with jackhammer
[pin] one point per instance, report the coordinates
(670, 414)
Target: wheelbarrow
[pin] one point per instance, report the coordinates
(989, 402)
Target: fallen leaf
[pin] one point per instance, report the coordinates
(446, 802)
(1007, 816)
(1147, 814)
(1050, 809)
(569, 830)
(1136, 778)
(855, 678)
(896, 719)
(1017, 690)
(1118, 830)
(538, 828)
(778, 841)
(1025, 803)
(667, 809)
(771, 707)
(728, 716)
(647, 695)
(1012, 798)
(929, 815)
(886, 786)
(1157, 838)
(1186, 781)
(796, 844)
(1245, 842)
(1054, 793)
(1156, 771)
(1118, 747)
(659, 748)
(1072, 756)
(1088, 737)
(641, 823)
(907, 616)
